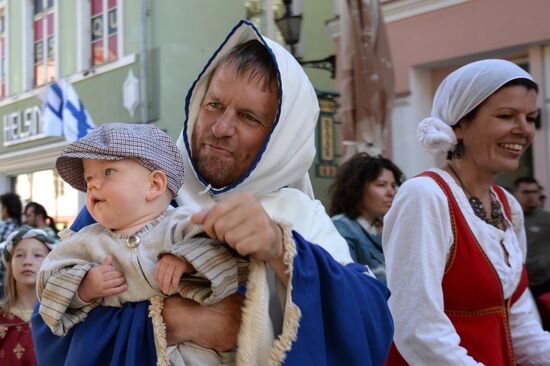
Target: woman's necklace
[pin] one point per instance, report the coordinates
(496, 219)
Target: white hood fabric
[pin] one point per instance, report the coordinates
(458, 94)
(290, 148)
(285, 158)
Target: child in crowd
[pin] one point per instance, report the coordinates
(138, 248)
(22, 254)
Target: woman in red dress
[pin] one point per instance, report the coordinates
(454, 241)
(24, 251)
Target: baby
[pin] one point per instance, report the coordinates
(138, 249)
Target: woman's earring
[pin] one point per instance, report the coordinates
(460, 149)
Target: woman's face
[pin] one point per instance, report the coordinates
(501, 131)
(378, 196)
(27, 257)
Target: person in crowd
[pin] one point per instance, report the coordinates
(361, 195)
(23, 253)
(130, 173)
(454, 241)
(37, 217)
(248, 142)
(10, 212)
(537, 228)
(542, 195)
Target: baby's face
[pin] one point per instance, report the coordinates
(116, 191)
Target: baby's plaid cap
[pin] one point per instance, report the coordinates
(146, 144)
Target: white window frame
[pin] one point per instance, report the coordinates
(27, 31)
(84, 32)
(4, 5)
(28, 47)
(55, 12)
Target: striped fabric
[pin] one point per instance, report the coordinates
(219, 271)
(58, 288)
(221, 267)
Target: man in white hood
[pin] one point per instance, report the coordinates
(248, 141)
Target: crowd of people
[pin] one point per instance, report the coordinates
(213, 251)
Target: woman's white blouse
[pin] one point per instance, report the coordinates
(417, 238)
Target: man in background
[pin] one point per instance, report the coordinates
(37, 217)
(10, 213)
(537, 228)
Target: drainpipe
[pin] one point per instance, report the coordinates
(144, 64)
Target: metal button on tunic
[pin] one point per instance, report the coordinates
(133, 241)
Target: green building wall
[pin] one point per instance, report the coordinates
(182, 35)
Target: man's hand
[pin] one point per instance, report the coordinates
(212, 326)
(101, 281)
(169, 270)
(243, 224)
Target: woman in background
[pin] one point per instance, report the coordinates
(361, 195)
(24, 251)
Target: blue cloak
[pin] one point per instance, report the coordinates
(345, 320)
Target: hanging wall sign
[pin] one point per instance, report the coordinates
(326, 137)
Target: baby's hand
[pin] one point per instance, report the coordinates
(101, 281)
(169, 271)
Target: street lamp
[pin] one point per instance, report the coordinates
(290, 26)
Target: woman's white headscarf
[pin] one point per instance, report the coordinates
(458, 94)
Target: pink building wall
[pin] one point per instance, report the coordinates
(503, 28)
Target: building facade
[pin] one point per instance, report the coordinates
(129, 61)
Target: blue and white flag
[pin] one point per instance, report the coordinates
(64, 114)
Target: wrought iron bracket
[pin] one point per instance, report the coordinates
(328, 63)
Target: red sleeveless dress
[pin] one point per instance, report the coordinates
(472, 292)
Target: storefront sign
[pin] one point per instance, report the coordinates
(327, 138)
(23, 126)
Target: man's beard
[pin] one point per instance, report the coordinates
(216, 171)
(215, 174)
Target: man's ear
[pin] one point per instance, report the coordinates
(157, 184)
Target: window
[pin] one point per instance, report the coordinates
(46, 187)
(43, 26)
(104, 31)
(3, 50)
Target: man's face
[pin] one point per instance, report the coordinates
(528, 195)
(30, 217)
(235, 117)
